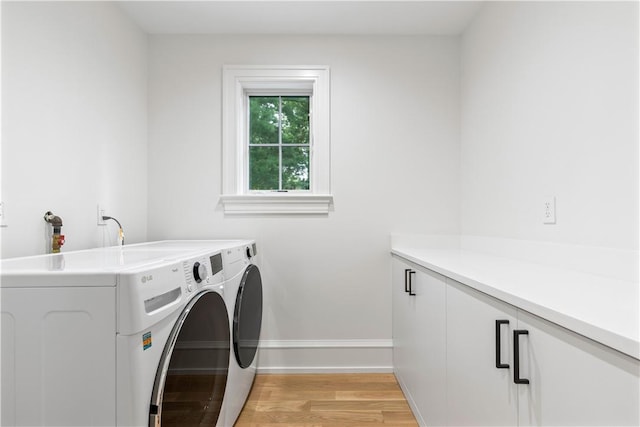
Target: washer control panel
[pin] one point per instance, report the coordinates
(202, 271)
(199, 272)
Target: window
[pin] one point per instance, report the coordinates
(279, 143)
(276, 140)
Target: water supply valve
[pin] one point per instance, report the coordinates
(57, 239)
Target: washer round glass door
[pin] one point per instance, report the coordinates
(247, 317)
(192, 375)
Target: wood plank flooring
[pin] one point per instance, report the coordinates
(326, 400)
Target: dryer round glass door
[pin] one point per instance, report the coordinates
(192, 375)
(247, 317)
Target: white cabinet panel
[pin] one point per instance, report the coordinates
(65, 349)
(429, 304)
(419, 336)
(403, 338)
(574, 380)
(478, 393)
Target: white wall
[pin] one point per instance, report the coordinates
(429, 135)
(550, 107)
(394, 157)
(74, 101)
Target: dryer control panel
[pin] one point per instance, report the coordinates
(237, 258)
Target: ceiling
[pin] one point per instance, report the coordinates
(302, 16)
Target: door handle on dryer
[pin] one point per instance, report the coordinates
(499, 363)
(411, 283)
(516, 356)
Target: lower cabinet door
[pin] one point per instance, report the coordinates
(401, 325)
(479, 393)
(429, 301)
(419, 340)
(58, 356)
(573, 381)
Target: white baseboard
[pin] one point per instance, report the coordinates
(325, 356)
(325, 370)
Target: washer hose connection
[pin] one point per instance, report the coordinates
(120, 231)
(57, 239)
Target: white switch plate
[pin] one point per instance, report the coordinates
(3, 216)
(101, 212)
(549, 211)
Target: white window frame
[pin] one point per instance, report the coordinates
(240, 81)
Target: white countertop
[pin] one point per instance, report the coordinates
(601, 308)
(99, 266)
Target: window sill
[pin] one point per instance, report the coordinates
(277, 204)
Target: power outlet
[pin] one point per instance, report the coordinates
(101, 212)
(549, 212)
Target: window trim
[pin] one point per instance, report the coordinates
(240, 80)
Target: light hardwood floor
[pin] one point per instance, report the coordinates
(326, 400)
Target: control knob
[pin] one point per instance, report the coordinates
(199, 272)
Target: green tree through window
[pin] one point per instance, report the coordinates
(279, 143)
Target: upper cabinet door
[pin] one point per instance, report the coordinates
(574, 381)
(478, 392)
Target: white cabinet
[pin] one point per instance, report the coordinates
(65, 349)
(478, 393)
(419, 337)
(456, 354)
(572, 380)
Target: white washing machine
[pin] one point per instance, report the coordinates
(129, 336)
(243, 295)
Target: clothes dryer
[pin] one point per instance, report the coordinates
(244, 299)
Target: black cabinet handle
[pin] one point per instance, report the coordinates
(406, 279)
(499, 363)
(411, 283)
(516, 356)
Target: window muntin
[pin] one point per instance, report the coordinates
(279, 142)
